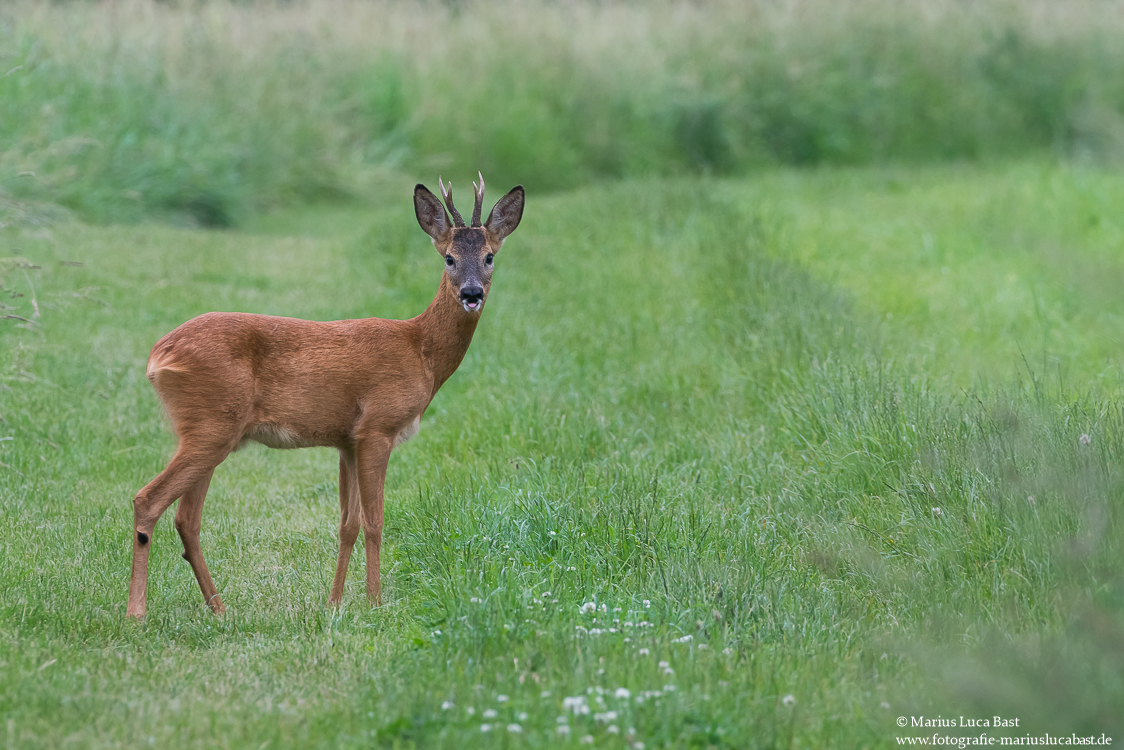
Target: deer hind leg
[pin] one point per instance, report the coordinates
(189, 519)
(372, 457)
(187, 467)
(349, 522)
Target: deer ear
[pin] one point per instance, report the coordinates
(431, 214)
(505, 215)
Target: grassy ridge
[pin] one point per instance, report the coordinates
(665, 415)
(213, 111)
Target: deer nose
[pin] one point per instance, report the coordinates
(472, 297)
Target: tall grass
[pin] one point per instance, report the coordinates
(211, 110)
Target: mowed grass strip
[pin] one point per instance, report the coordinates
(690, 486)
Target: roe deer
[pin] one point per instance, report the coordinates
(359, 386)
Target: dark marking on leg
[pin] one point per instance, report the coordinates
(142, 537)
(184, 556)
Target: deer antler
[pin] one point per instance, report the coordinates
(479, 200)
(447, 194)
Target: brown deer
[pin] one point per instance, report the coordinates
(359, 386)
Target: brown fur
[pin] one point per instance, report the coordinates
(359, 386)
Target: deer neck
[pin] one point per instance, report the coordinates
(446, 331)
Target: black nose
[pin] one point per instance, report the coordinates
(472, 294)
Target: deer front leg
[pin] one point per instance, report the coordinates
(349, 522)
(189, 519)
(372, 457)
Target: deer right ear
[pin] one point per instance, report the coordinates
(431, 214)
(505, 215)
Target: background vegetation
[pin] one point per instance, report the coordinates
(126, 109)
(746, 453)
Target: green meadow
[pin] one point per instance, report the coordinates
(757, 445)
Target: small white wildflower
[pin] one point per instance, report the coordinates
(553, 533)
(514, 728)
(647, 604)
(544, 694)
(604, 608)
(628, 640)
(789, 700)
(562, 720)
(563, 729)
(571, 568)
(669, 670)
(545, 594)
(613, 729)
(663, 665)
(669, 688)
(937, 512)
(885, 705)
(485, 727)
(501, 699)
(470, 710)
(637, 746)
(522, 716)
(623, 693)
(596, 631)
(1084, 439)
(445, 706)
(573, 703)
(684, 639)
(588, 607)
(643, 652)
(702, 646)
(587, 740)
(475, 600)
(728, 651)
(490, 713)
(627, 624)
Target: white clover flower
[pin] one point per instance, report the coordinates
(501, 699)
(563, 729)
(647, 604)
(446, 705)
(514, 728)
(545, 594)
(669, 670)
(554, 533)
(613, 729)
(937, 512)
(685, 639)
(643, 652)
(637, 746)
(485, 727)
(623, 693)
(885, 705)
(571, 568)
(489, 713)
(573, 703)
(669, 688)
(789, 700)
(588, 607)
(587, 740)
(702, 646)
(544, 694)
(522, 716)
(474, 600)
(1084, 439)
(663, 665)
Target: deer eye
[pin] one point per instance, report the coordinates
(488, 259)
(450, 262)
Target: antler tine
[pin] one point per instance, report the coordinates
(447, 194)
(479, 200)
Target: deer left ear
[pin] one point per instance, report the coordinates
(431, 214)
(505, 216)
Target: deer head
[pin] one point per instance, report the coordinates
(468, 250)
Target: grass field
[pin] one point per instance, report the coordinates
(751, 462)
